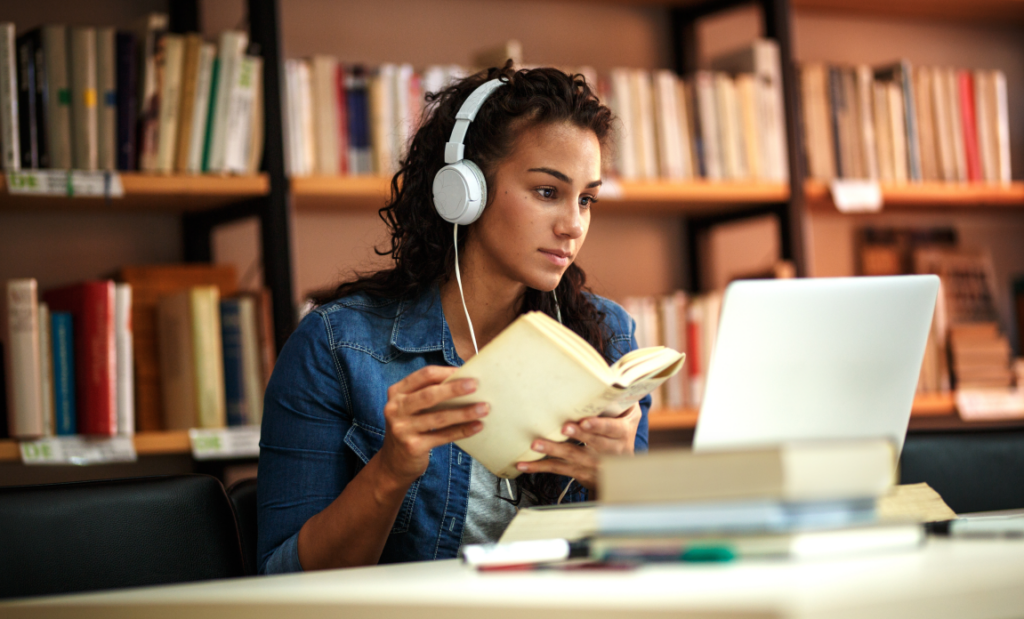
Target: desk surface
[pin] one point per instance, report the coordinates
(946, 578)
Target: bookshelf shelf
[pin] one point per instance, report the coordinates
(930, 197)
(146, 444)
(940, 406)
(367, 193)
(980, 11)
(151, 192)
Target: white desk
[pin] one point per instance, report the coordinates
(961, 578)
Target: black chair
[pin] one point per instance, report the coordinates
(243, 498)
(88, 536)
(971, 471)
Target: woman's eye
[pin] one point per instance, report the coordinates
(546, 192)
(587, 201)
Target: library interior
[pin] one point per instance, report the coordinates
(185, 183)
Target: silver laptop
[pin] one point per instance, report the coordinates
(808, 359)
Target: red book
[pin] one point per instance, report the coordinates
(965, 81)
(342, 100)
(91, 305)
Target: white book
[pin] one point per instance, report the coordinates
(733, 146)
(643, 109)
(710, 134)
(24, 382)
(170, 102)
(668, 132)
(230, 54)
(1002, 125)
(751, 128)
(899, 133)
(883, 132)
(46, 393)
(9, 136)
(254, 144)
(381, 99)
(239, 128)
(307, 131)
(201, 109)
(325, 99)
(123, 340)
(622, 106)
(959, 149)
(865, 80)
(84, 122)
(58, 109)
(292, 135)
(106, 112)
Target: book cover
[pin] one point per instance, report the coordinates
(149, 285)
(952, 95)
(360, 154)
(238, 134)
(865, 104)
(125, 363)
(1002, 120)
(692, 166)
(10, 144)
(256, 133)
(201, 108)
(215, 79)
(22, 361)
(150, 32)
(233, 44)
(236, 403)
(177, 362)
(969, 126)
(84, 121)
(62, 336)
(645, 134)
(621, 103)
(91, 305)
(106, 86)
(899, 76)
(33, 39)
(926, 124)
(324, 74)
(169, 68)
(28, 139)
(380, 103)
(341, 100)
(898, 133)
(190, 75)
(127, 100)
(254, 381)
(207, 361)
(883, 132)
(710, 132)
(58, 101)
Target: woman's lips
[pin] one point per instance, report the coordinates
(556, 256)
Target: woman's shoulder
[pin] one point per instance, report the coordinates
(359, 319)
(616, 319)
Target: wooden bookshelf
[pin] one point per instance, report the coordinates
(368, 193)
(931, 406)
(151, 192)
(977, 11)
(146, 444)
(930, 196)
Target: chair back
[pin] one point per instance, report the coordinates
(88, 536)
(243, 498)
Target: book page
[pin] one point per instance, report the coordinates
(914, 502)
(569, 522)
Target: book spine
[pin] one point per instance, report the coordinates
(24, 382)
(215, 79)
(910, 123)
(35, 40)
(9, 134)
(45, 370)
(82, 60)
(187, 101)
(256, 128)
(232, 50)
(341, 99)
(106, 113)
(326, 114)
(360, 153)
(239, 119)
(252, 373)
(965, 84)
(710, 135)
(27, 122)
(208, 362)
(127, 101)
(201, 108)
(150, 87)
(1002, 126)
(124, 337)
(837, 108)
(234, 371)
(952, 94)
(63, 373)
(58, 108)
(865, 87)
(170, 103)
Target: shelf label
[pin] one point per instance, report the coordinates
(78, 450)
(857, 196)
(68, 183)
(221, 443)
(990, 404)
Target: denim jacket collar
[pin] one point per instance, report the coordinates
(420, 326)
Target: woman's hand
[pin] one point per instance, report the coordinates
(599, 435)
(412, 433)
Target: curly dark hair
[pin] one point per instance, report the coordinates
(421, 241)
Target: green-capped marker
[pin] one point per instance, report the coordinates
(708, 554)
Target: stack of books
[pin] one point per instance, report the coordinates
(794, 501)
(980, 356)
(144, 99)
(900, 124)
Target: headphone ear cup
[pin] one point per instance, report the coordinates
(460, 192)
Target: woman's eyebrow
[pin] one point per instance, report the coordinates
(563, 177)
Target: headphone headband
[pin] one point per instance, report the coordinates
(454, 149)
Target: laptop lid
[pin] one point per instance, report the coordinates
(809, 359)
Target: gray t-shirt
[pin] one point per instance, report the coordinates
(487, 515)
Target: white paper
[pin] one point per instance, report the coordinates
(990, 404)
(222, 443)
(857, 196)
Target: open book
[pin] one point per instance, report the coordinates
(537, 375)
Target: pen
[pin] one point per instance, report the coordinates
(979, 527)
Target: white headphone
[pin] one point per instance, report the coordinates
(460, 190)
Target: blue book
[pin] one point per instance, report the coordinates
(360, 150)
(63, 373)
(234, 372)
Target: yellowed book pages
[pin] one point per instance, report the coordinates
(572, 522)
(536, 376)
(208, 359)
(915, 503)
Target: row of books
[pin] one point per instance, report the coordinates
(899, 123)
(161, 349)
(147, 99)
(801, 501)
(726, 124)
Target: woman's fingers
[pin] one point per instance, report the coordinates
(451, 433)
(578, 455)
(430, 375)
(432, 422)
(436, 394)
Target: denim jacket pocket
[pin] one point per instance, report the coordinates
(365, 442)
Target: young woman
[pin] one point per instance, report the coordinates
(353, 470)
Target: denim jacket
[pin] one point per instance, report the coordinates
(323, 420)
